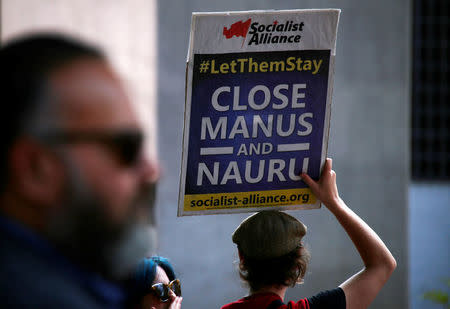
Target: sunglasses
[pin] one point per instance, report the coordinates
(162, 289)
(125, 144)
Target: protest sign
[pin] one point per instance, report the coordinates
(257, 113)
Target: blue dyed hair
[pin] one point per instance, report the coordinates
(146, 272)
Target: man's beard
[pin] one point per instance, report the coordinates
(82, 231)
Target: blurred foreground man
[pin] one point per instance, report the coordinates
(75, 188)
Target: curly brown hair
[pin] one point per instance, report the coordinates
(287, 270)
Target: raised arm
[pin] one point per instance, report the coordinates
(360, 289)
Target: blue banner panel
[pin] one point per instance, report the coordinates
(256, 120)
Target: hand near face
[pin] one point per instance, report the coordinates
(175, 301)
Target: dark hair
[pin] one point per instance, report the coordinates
(26, 63)
(287, 270)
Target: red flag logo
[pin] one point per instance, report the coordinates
(237, 29)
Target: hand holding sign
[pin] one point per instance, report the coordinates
(325, 189)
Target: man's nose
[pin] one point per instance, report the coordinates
(149, 170)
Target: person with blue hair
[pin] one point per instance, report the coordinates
(156, 285)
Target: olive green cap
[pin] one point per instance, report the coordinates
(268, 234)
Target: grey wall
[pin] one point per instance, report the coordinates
(368, 141)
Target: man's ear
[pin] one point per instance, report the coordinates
(35, 172)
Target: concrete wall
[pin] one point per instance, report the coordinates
(369, 143)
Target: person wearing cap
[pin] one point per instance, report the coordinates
(155, 285)
(273, 258)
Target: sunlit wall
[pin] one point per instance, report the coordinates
(126, 30)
